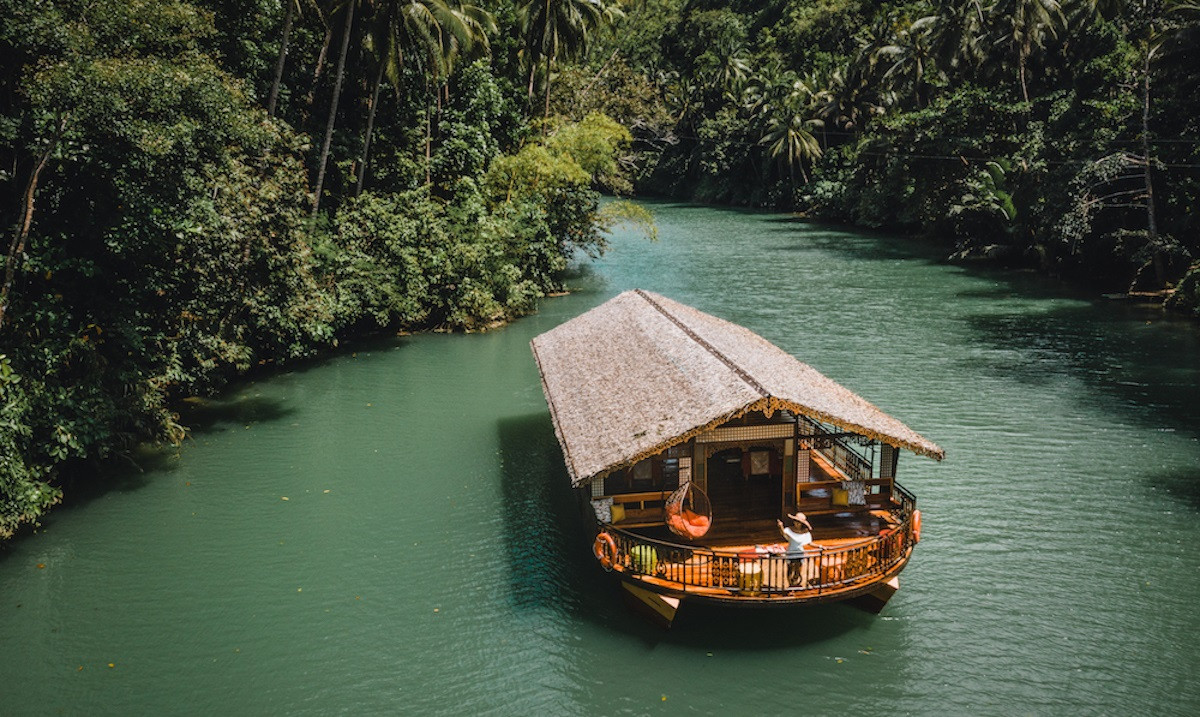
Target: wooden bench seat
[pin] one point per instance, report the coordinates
(835, 509)
(642, 510)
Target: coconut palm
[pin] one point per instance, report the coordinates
(291, 7)
(791, 143)
(771, 89)
(347, 26)
(560, 29)
(842, 102)
(1026, 26)
(725, 67)
(956, 35)
(907, 57)
(432, 32)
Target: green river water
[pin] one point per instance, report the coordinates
(389, 531)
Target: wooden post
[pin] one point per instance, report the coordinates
(888, 457)
(789, 475)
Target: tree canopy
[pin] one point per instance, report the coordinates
(194, 188)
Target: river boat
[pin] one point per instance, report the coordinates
(688, 437)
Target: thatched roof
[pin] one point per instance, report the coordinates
(641, 373)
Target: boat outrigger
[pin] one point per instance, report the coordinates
(689, 438)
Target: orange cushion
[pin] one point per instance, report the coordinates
(693, 527)
(676, 523)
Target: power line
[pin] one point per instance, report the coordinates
(962, 158)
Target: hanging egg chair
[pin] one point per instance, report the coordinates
(688, 512)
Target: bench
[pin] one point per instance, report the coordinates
(642, 510)
(822, 502)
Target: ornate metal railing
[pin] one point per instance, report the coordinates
(836, 447)
(758, 574)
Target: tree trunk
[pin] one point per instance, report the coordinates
(532, 72)
(17, 246)
(283, 50)
(546, 116)
(1022, 56)
(366, 153)
(600, 73)
(312, 90)
(1160, 273)
(428, 136)
(321, 59)
(337, 91)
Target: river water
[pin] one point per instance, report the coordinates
(388, 531)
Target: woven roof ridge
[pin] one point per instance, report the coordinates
(741, 372)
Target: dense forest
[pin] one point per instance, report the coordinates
(1054, 134)
(193, 188)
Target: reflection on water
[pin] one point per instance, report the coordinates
(389, 529)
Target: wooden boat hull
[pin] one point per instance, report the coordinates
(870, 596)
(649, 590)
(657, 608)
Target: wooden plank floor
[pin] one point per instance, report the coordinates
(828, 531)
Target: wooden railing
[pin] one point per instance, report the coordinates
(754, 574)
(849, 461)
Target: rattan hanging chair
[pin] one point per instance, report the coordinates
(688, 512)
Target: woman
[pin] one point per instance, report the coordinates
(799, 536)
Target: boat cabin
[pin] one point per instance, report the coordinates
(689, 439)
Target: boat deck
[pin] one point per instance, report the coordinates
(829, 531)
(744, 563)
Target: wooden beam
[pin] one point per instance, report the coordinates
(874, 601)
(659, 609)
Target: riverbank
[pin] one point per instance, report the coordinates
(1067, 145)
(174, 232)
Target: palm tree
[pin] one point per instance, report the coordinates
(791, 143)
(1027, 25)
(956, 33)
(560, 29)
(291, 7)
(871, 41)
(907, 57)
(727, 68)
(769, 90)
(843, 101)
(434, 32)
(348, 23)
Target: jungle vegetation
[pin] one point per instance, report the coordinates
(193, 188)
(1054, 134)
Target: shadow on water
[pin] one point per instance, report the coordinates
(234, 406)
(1111, 351)
(1137, 365)
(88, 481)
(384, 340)
(855, 244)
(1182, 485)
(551, 566)
(213, 415)
(544, 541)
